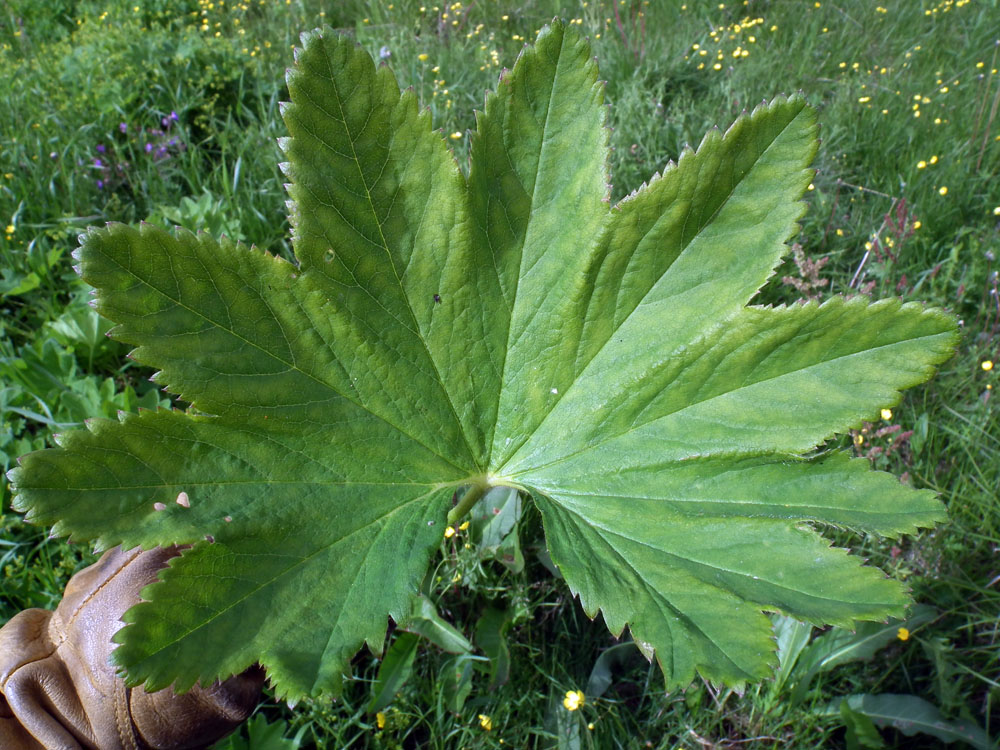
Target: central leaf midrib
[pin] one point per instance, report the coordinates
(310, 482)
(692, 404)
(513, 304)
(289, 365)
(683, 500)
(654, 594)
(298, 562)
(392, 264)
(601, 529)
(579, 376)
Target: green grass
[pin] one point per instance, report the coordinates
(72, 73)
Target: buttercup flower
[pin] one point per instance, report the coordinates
(573, 700)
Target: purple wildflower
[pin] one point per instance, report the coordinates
(98, 163)
(149, 147)
(100, 148)
(123, 127)
(100, 184)
(173, 116)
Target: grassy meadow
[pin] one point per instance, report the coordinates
(168, 111)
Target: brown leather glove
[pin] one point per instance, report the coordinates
(58, 688)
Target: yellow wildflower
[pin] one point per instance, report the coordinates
(943, 190)
(456, 135)
(903, 634)
(485, 722)
(380, 720)
(887, 414)
(464, 526)
(987, 365)
(422, 57)
(449, 532)
(921, 164)
(573, 700)
(917, 224)
(9, 229)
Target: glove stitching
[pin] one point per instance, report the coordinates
(134, 554)
(126, 728)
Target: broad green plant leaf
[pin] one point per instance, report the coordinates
(260, 735)
(613, 658)
(839, 646)
(494, 522)
(424, 620)
(792, 637)
(912, 715)
(860, 730)
(491, 637)
(455, 679)
(395, 670)
(441, 334)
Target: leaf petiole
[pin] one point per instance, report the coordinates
(470, 498)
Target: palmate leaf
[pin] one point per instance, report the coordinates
(441, 334)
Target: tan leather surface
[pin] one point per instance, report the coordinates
(60, 692)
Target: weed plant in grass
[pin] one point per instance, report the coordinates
(905, 202)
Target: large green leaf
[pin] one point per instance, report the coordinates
(440, 335)
(912, 715)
